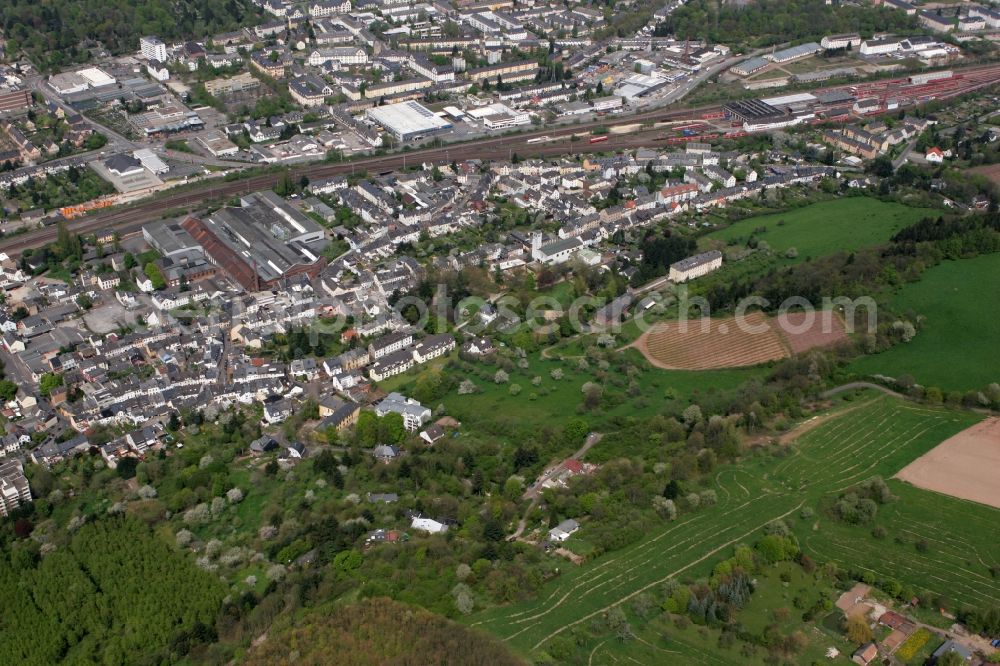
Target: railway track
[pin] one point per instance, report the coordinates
(130, 218)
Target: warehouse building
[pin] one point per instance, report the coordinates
(751, 110)
(748, 67)
(14, 100)
(500, 116)
(795, 52)
(169, 238)
(261, 242)
(408, 121)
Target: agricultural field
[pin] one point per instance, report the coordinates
(706, 343)
(840, 225)
(703, 344)
(955, 348)
(962, 466)
(874, 436)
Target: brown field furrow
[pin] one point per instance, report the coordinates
(721, 343)
(824, 331)
(963, 466)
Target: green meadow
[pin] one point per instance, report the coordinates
(957, 345)
(875, 438)
(839, 225)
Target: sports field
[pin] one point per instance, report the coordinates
(878, 437)
(840, 225)
(956, 349)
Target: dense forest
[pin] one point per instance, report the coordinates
(116, 591)
(381, 631)
(768, 22)
(52, 32)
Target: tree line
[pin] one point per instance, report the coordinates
(53, 33)
(768, 22)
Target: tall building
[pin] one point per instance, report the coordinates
(14, 490)
(153, 48)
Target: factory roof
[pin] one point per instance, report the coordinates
(408, 117)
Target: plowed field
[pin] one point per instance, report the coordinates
(704, 344)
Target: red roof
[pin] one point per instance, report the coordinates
(891, 619)
(678, 189)
(573, 465)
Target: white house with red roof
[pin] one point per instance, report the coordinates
(934, 155)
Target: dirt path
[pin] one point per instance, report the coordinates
(815, 422)
(860, 385)
(673, 574)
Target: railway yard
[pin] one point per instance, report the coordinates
(653, 129)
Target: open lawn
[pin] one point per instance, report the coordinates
(843, 224)
(956, 347)
(554, 401)
(878, 438)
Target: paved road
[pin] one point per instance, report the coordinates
(899, 161)
(39, 84)
(535, 491)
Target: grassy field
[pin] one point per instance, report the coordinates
(877, 437)
(957, 346)
(554, 401)
(843, 224)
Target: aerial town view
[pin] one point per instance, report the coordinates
(500, 332)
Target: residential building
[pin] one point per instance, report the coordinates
(153, 48)
(563, 530)
(387, 344)
(414, 414)
(14, 489)
(428, 525)
(391, 365)
(695, 266)
(875, 47)
(832, 42)
(433, 346)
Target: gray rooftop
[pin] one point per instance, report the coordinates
(696, 260)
